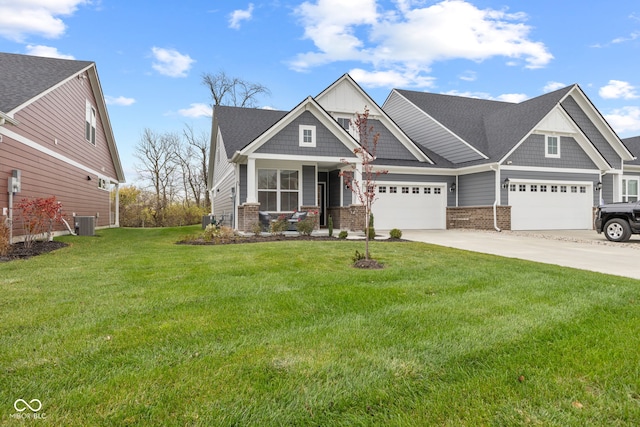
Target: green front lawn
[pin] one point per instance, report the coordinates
(129, 328)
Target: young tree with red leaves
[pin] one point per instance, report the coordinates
(39, 216)
(363, 182)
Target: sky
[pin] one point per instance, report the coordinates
(151, 55)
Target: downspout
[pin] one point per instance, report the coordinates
(495, 202)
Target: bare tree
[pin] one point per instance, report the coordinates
(233, 91)
(157, 154)
(364, 185)
(196, 153)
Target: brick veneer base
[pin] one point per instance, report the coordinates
(478, 217)
(348, 218)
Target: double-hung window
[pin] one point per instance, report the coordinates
(552, 146)
(90, 123)
(307, 136)
(630, 189)
(278, 190)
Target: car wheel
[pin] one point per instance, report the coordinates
(617, 230)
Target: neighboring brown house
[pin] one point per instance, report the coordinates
(55, 130)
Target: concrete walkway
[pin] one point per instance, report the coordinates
(582, 249)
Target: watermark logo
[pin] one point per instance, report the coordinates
(30, 409)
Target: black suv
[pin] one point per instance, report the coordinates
(618, 221)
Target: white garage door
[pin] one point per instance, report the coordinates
(410, 206)
(551, 205)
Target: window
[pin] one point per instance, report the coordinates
(522, 187)
(554, 188)
(574, 188)
(382, 189)
(543, 188)
(583, 189)
(344, 122)
(563, 188)
(427, 190)
(405, 190)
(393, 190)
(512, 187)
(534, 188)
(630, 189)
(90, 123)
(278, 190)
(437, 190)
(552, 146)
(307, 136)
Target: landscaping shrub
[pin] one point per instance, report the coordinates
(279, 226)
(39, 217)
(306, 226)
(330, 226)
(5, 244)
(358, 256)
(395, 234)
(218, 235)
(371, 232)
(343, 234)
(256, 228)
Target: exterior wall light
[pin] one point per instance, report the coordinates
(598, 186)
(505, 183)
(452, 188)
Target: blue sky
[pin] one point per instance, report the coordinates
(151, 54)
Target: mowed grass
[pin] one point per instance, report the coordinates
(129, 328)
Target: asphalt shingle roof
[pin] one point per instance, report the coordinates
(239, 126)
(23, 77)
(633, 144)
(491, 127)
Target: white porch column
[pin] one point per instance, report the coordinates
(251, 181)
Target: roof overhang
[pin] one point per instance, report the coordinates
(5, 118)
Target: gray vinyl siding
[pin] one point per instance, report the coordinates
(476, 189)
(607, 188)
(287, 141)
(418, 179)
(426, 131)
(388, 147)
(548, 176)
(309, 185)
(222, 202)
(334, 189)
(347, 197)
(532, 153)
(591, 131)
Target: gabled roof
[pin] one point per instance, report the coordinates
(23, 77)
(239, 126)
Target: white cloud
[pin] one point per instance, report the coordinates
(507, 97)
(617, 89)
(391, 78)
(631, 37)
(240, 15)
(196, 110)
(412, 37)
(120, 100)
(38, 17)
(512, 97)
(468, 76)
(551, 86)
(626, 119)
(46, 51)
(170, 62)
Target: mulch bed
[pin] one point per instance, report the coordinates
(19, 251)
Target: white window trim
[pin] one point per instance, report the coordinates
(90, 118)
(546, 147)
(278, 190)
(625, 188)
(302, 143)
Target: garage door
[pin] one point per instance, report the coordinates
(410, 207)
(551, 205)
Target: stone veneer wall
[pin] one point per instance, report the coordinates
(247, 216)
(348, 218)
(478, 217)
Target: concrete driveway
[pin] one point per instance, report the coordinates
(582, 249)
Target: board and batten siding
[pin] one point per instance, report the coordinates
(427, 132)
(476, 189)
(333, 199)
(309, 185)
(57, 121)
